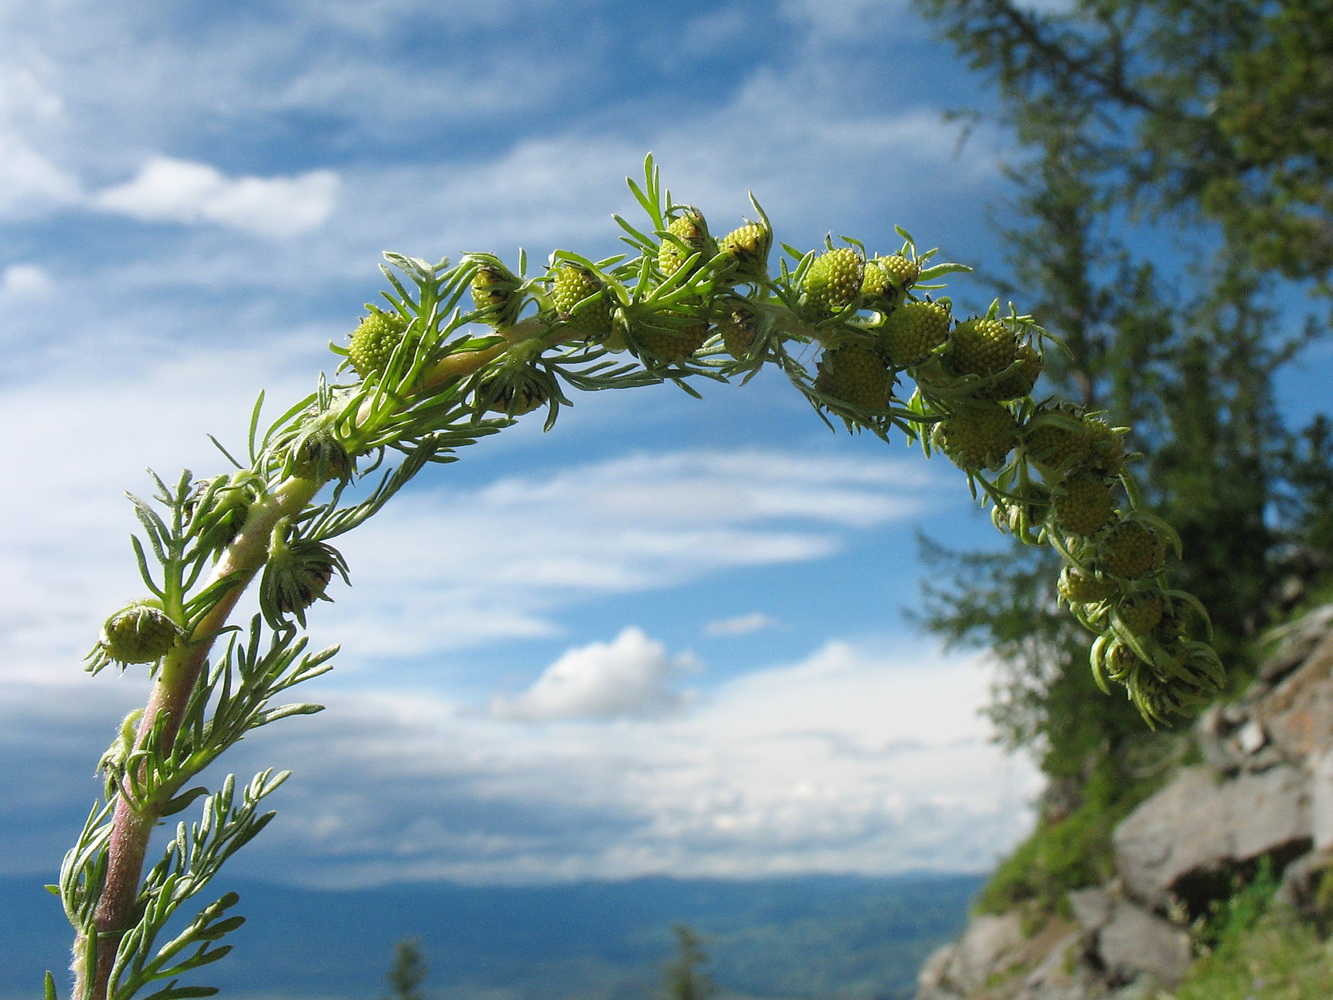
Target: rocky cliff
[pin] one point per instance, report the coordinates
(1264, 790)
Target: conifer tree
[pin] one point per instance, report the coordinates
(1218, 110)
(1104, 100)
(408, 971)
(684, 977)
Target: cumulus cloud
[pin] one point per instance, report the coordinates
(855, 758)
(628, 677)
(172, 190)
(21, 282)
(756, 621)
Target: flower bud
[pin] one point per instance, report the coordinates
(139, 633)
(373, 342)
(320, 457)
(495, 292)
(833, 280)
(690, 228)
(572, 286)
(296, 576)
(748, 247)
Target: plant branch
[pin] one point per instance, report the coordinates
(422, 382)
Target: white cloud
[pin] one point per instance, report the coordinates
(540, 192)
(24, 282)
(24, 97)
(445, 569)
(545, 178)
(438, 569)
(780, 129)
(854, 759)
(626, 678)
(103, 417)
(172, 190)
(29, 180)
(756, 621)
(843, 20)
(713, 33)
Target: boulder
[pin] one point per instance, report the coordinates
(1287, 713)
(1321, 797)
(986, 948)
(1301, 882)
(1215, 734)
(1186, 840)
(1297, 715)
(989, 954)
(1296, 642)
(1092, 908)
(932, 982)
(1061, 974)
(1134, 943)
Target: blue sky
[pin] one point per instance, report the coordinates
(667, 636)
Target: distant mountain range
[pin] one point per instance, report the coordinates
(794, 938)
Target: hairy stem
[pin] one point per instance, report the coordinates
(133, 822)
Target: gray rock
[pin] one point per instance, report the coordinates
(1234, 715)
(1321, 789)
(1214, 734)
(931, 981)
(1182, 845)
(1297, 714)
(1267, 757)
(1297, 640)
(1062, 975)
(1291, 693)
(1196, 828)
(1299, 887)
(1092, 908)
(1140, 989)
(1251, 737)
(986, 948)
(1135, 944)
